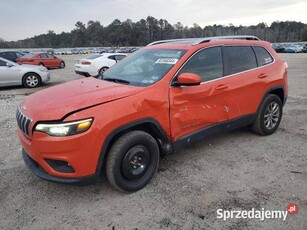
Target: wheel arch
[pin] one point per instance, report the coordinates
(278, 90)
(148, 125)
(31, 72)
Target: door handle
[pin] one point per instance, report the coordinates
(263, 75)
(220, 87)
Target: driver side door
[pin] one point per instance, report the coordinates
(193, 108)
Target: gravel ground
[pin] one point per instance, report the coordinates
(236, 170)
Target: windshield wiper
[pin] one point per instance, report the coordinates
(116, 80)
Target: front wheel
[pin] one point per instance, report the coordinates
(132, 161)
(269, 116)
(31, 80)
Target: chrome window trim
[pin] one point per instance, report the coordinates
(231, 75)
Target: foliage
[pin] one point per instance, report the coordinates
(128, 33)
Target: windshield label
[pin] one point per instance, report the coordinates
(170, 61)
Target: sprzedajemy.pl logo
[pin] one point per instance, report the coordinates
(257, 214)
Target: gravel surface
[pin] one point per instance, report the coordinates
(235, 170)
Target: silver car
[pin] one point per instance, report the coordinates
(30, 76)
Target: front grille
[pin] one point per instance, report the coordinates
(23, 122)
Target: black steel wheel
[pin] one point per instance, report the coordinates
(132, 161)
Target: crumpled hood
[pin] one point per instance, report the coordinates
(56, 102)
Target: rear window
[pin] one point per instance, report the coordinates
(239, 59)
(92, 57)
(263, 56)
(2, 63)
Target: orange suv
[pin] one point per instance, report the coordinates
(166, 95)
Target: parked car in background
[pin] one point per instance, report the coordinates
(304, 49)
(279, 48)
(293, 49)
(12, 73)
(11, 55)
(44, 59)
(97, 63)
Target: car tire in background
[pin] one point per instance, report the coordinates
(31, 80)
(41, 64)
(132, 161)
(62, 65)
(269, 116)
(103, 69)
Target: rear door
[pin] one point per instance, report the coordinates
(43, 58)
(242, 73)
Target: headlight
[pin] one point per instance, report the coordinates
(65, 129)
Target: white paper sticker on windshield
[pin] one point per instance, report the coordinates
(170, 61)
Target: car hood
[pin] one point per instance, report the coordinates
(56, 102)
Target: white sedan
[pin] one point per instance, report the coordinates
(30, 76)
(97, 63)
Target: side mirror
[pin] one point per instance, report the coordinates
(187, 79)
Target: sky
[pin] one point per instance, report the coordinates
(20, 19)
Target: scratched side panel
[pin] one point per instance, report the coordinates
(195, 107)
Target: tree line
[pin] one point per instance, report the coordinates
(140, 33)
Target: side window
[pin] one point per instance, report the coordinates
(207, 63)
(263, 56)
(50, 56)
(120, 57)
(43, 56)
(239, 59)
(2, 63)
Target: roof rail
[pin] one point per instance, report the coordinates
(196, 41)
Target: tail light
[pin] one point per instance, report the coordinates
(86, 63)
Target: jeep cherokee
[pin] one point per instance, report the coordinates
(166, 95)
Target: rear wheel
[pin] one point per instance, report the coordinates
(41, 64)
(269, 116)
(62, 65)
(103, 69)
(31, 80)
(132, 161)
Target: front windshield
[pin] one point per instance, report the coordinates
(144, 67)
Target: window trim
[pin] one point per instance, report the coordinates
(226, 76)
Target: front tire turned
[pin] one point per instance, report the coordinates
(132, 161)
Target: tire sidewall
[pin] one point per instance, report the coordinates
(269, 100)
(134, 185)
(24, 80)
(62, 65)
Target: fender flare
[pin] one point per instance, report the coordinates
(116, 131)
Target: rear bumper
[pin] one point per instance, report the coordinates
(86, 74)
(40, 172)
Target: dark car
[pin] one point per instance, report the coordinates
(305, 49)
(11, 55)
(279, 48)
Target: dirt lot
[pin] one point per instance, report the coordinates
(236, 170)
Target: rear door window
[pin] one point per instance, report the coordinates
(238, 59)
(43, 56)
(263, 56)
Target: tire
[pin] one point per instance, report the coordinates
(42, 64)
(132, 161)
(269, 116)
(62, 65)
(103, 69)
(31, 80)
